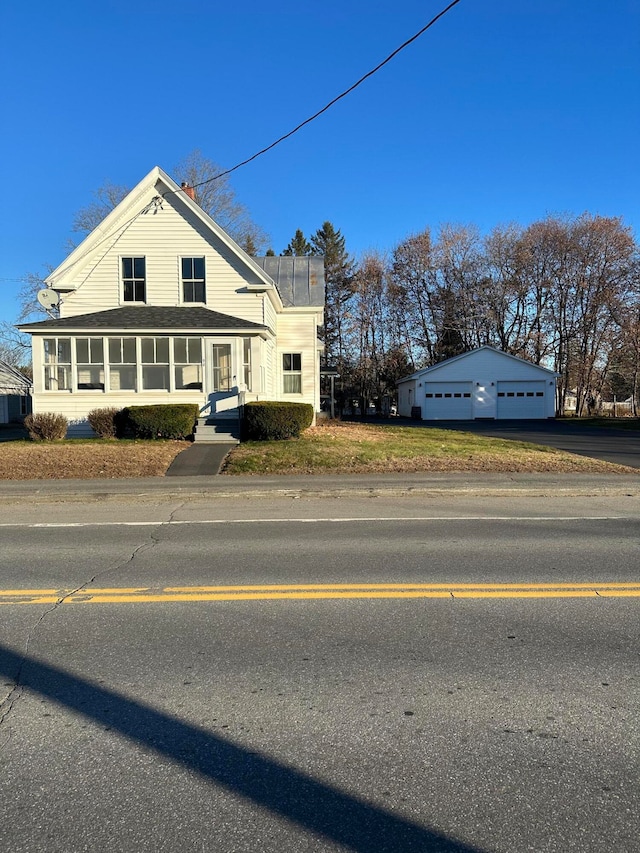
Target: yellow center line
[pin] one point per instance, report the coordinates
(256, 592)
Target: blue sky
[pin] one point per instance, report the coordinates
(502, 112)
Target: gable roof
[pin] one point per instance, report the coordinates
(148, 318)
(471, 353)
(12, 381)
(146, 196)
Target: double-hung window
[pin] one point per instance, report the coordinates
(155, 364)
(292, 373)
(193, 280)
(187, 359)
(134, 281)
(57, 364)
(90, 364)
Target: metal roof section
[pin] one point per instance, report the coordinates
(12, 381)
(149, 318)
(299, 279)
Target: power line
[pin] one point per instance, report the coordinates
(281, 139)
(332, 102)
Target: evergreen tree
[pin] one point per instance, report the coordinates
(339, 270)
(299, 245)
(249, 245)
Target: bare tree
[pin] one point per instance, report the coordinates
(217, 197)
(412, 296)
(105, 198)
(15, 348)
(369, 329)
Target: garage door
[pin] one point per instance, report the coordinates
(521, 400)
(448, 401)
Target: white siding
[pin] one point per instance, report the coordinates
(485, 369)
(76, 407)
(297, 333)
(163, 238)
(485, 364)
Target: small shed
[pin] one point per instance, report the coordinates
(482, 383)
(15, 394)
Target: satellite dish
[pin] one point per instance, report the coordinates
(48, 298)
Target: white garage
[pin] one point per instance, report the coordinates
(483, 383)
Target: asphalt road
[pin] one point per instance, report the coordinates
(335, 720)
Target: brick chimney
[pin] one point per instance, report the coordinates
(189, 190)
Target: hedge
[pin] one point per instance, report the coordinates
(271, 421)
(171, 421)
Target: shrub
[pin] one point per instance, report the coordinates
(46, 426)
(105, 422)
(271, 421)
(171, 421)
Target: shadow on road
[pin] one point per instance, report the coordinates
(313, 805)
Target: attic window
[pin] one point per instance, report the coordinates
(134, 282)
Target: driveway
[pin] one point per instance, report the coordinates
(611, 445)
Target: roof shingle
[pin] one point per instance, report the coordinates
(148, 317)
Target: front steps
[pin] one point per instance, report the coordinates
(216, 429)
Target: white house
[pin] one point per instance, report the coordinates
(158, 304)
(15, 400)
(483, 383)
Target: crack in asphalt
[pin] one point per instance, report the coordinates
(7, 704)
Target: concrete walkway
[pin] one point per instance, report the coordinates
(200, 460)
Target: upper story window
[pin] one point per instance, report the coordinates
(134, 281)
(193, 280)
(292, 373)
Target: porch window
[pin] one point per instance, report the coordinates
(193, 280)
(122, 364)
(57, 364)
(90, 364)
(187, 357)
(155, 364)
(246, 362)
(292, 373)
(134, 282)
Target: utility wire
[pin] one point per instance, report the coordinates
(331, 103)
(307, 121)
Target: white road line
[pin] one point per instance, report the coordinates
(368, 519)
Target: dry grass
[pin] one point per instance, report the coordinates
(331, 448)
(84, 460)
(336, 447)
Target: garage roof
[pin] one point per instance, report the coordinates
(474, 352)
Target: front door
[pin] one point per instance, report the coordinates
(223, 386)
